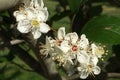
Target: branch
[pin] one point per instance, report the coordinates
(16, 41)
(10, 43)
(113, 75)
(109, 75)
(47, 65)
(23, 55)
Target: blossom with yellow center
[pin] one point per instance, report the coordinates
(35, 23)
(97, 50)
(32, 19)
(88, 65)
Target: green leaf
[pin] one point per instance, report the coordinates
(75, 4)
(103, 29)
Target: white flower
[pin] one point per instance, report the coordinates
(97, 50)
(32, 19)
(47, 48)
(77, 45)
(72, 38)
(60, 41)
(86, 69)
(88, 65)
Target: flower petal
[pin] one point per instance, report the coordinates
(79, 68)
(94, 60)
(44, 28)
(83, 57)
(84, 74)
(42, 15)
(36, 33)
(65, 47)
(61, 33)
(94, 47)
(34, 4)
(41, 3)
(19, 15)
(73, 37)
(96, 70)
(83, 43)
(40, 11)
(30, 13)
(24, 26)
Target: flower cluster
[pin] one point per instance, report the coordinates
(65, 48)
(32, 19)
(69, 48)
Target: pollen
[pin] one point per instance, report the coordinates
(35, 23)
(100, 50)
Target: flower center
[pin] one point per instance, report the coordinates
(35, 23)
(90, 66)
(74, 48)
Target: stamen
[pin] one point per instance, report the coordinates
(35, 23)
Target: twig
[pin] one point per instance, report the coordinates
(18, 51)
(113, 75)
(17, 41)
(10, 43)
(109, 75)
(23, 55)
